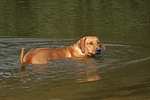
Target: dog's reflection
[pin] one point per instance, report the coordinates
(89, 71)
(87, 68)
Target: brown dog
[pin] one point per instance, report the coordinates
(87, 46)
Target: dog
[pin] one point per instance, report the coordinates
(87, 46)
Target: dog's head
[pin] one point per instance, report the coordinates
(90, 45)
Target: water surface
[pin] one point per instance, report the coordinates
(122, 70)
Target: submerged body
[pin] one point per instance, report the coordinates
(44, 55)
(86, 46)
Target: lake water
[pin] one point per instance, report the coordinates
(121, 72)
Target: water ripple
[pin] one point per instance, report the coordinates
(62, 70)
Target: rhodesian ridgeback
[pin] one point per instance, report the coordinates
(87, 46)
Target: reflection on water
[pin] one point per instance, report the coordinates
(74, 70)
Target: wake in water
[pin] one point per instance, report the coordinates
(135, 61)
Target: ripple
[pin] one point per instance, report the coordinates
(61, 71)
(136, 61)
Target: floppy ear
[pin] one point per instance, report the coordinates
(101, 45)
(81, 44)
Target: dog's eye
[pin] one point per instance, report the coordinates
(98, 42)
(90, 43)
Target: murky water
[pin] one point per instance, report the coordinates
(122, 70)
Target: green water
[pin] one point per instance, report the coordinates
(121, 72)
(113, 18)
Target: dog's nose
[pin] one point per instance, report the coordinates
(99, 50)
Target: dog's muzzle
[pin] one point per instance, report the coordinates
(98, 51)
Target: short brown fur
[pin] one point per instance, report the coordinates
(87, 46)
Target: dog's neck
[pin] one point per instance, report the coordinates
(77, 51)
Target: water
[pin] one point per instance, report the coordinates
(120, 72)
(112, 18)
(75, 77)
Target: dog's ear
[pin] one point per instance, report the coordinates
(81, 44)
(101, 45)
